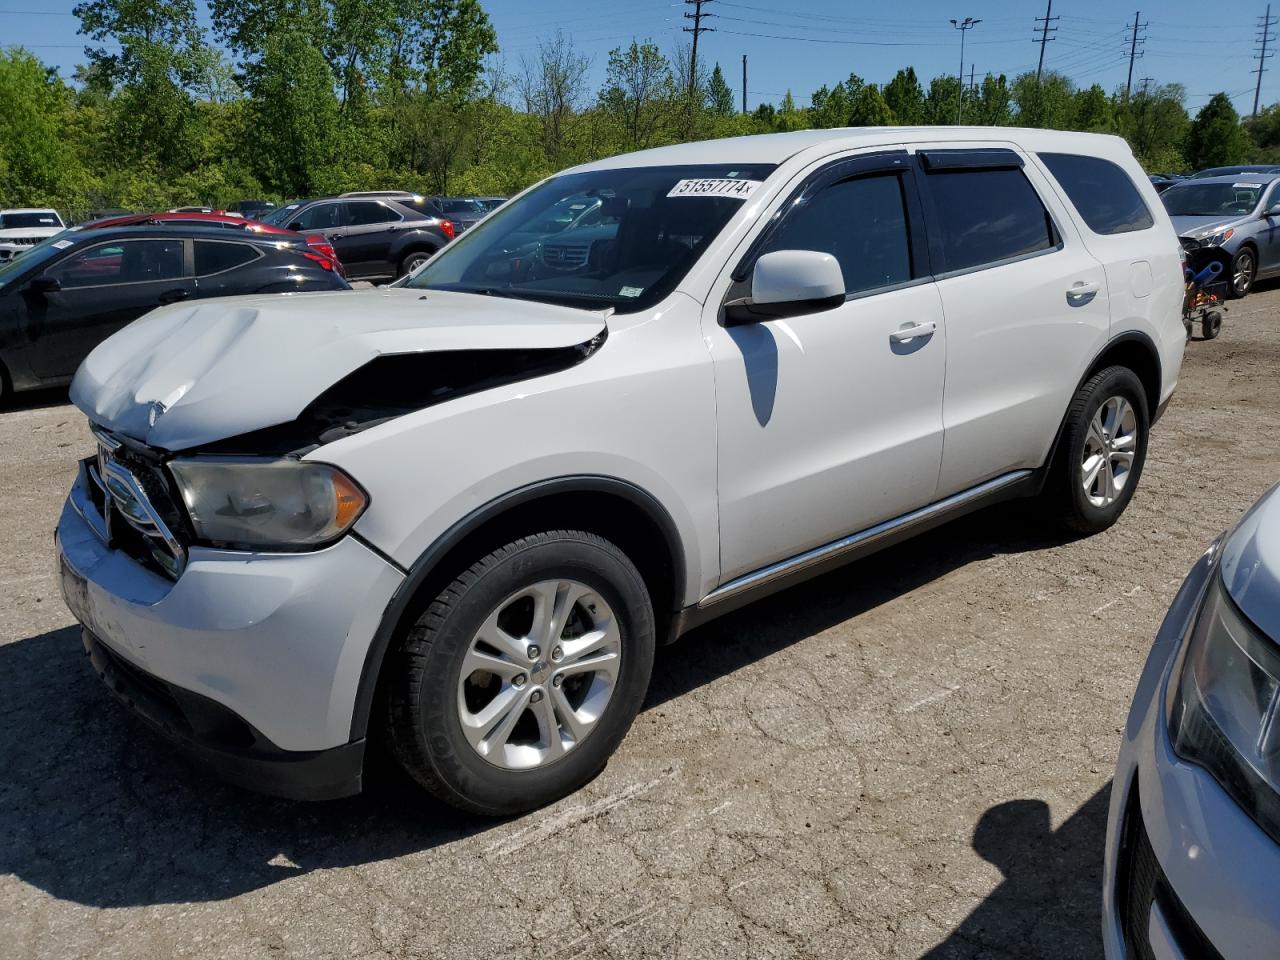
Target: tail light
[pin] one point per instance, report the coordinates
(321, 245)
(446, 227)
(326, 263)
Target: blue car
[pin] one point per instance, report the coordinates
(1193, 841)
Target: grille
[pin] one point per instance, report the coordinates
(1142, 883)
(140, 515)
(1189, 244)
(565, 254)
(24, 241)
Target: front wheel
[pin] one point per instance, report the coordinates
(523, 675)
(1244, 268)
(1103, 449)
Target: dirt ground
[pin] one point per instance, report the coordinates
(906, 758)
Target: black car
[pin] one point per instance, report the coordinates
(377, 238)
(66, 295)
(253, 209)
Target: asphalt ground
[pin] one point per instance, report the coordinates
(908, 757)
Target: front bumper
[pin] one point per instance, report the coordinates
(273, 645)
(1188, 874)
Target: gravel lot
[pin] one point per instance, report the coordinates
(909, 757)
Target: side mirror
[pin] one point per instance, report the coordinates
(1273, 210)
(45, 284)
(787, 283)
(296, 226)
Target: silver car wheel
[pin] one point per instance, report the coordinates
(1109, 449)
(1243, 276)
(539, 674)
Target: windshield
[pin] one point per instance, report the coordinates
(618, 238)
(460, 206)
(1230, 171)
(281, 216)
(38, 218)
(1211, 199)
(10, 270)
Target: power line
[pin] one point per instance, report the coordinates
(1134, 40)
(964, 26)
(697, 17)
(1265, 22)
(1046, 29)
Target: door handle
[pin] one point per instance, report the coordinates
(173, 296)
(335, 236)
(1081, 289)
(911, 331)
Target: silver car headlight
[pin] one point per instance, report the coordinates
(1218, 239)
(1225, 715)
(267, 503)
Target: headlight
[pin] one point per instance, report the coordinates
(1226, 712)
(267, 503)
(1218, 239)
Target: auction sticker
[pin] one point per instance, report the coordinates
(737, 189)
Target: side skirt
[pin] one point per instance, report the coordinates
(785, 573)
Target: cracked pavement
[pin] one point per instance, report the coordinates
(909, 757)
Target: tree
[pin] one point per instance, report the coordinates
(720, 95)
(553, 87)
(1155, 123)
(638, 92)
(1264, 131)
(1091, 110)
(1216, 137)
(940, 102)
(1045, 101)
(905, 97)
(141, 27)
(869, 109)
(39, 163)
(993, 106)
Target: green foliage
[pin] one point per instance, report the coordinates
(314, 96)
(1215, 137)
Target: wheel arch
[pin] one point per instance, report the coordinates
(1132, 349)
(619, 510)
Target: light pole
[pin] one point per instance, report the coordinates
(968, 23)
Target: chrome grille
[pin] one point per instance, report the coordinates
(565, 255)
(130, 518)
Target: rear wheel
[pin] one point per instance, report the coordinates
(523, 675)
(413, 260)
(1103, 449)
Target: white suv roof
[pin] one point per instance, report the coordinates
(5, 210)
(778, 147)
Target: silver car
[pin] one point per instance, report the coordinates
(1234, 219)
(1193, 840)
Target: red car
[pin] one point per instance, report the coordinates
(317, 242)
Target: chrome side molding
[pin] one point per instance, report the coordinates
(867, 537)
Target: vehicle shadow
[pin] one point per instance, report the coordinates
(34, 400)
(1049, 903)
(95, 809)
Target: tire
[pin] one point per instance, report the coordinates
(412, 260)
(512, 759)
(1084, 504)
(1211, 325)
(1244, 270)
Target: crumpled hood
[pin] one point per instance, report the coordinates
(1199, 227)
(196, 373)
(1251, 564)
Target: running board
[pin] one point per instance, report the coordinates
(865, 541)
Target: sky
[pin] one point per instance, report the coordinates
(800, 47)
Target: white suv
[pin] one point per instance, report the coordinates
(460, 513)
(22, 228)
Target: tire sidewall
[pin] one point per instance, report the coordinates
(481, 784)
(1116, 381)
(412, 260)
(1253, 272)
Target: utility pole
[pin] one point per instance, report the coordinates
(1134, 40)
(965, 25)
(1045, 28)
(1265, 23)
(697, 17)
(744, 83)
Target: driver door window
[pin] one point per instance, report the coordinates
(119, 262)
(321, 216)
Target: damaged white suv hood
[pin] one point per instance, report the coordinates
(194, 374)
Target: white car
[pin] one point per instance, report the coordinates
(459, 513)
(22, 228)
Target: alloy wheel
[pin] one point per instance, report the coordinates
(539, 674)
(1109, 449)
(1242, 278)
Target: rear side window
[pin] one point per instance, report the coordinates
(986, 216)
(1102, 192)
(364, 212)
(214, 256)
(861, 222)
